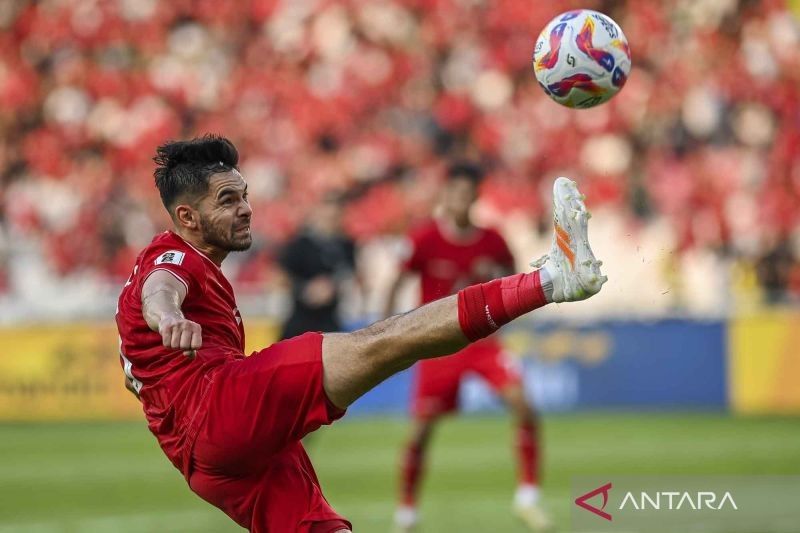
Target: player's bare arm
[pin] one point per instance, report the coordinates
(394, 290)
(162, 296)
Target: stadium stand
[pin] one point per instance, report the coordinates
(701, 152)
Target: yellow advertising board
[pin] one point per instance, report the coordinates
(764, 363)
(72, 371)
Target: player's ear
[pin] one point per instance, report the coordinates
(185, 216)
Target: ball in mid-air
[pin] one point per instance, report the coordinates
(582, 58)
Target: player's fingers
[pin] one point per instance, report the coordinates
(186, 338)
(195, 341)
(197, 337)
(166, 334)
(175, 338)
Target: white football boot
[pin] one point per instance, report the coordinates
(528, 509)
(406, 519)
(571, 265)
(534, 517)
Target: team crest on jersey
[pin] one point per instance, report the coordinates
(173, 257)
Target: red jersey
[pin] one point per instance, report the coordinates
(171, 385)
(446, 266)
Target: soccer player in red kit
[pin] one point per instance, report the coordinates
(233, 424)
(449, 254)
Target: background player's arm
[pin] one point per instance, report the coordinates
(394, 290)
(356, 362)
(162, 297)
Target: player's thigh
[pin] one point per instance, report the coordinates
(291, 498)
(285, 496)
(234, 496)
(256, 406)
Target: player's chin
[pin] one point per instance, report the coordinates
(240, 243)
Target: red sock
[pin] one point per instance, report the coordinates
(528, 453)
(483, 308)
(412, 473)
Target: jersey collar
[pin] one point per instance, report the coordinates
(443, 227)
(201, 254)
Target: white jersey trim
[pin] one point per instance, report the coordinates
(127, 369)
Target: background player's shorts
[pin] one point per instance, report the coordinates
(247, 458)
(436, 381)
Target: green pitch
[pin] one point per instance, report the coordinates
(113, 477)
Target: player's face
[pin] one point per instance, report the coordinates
(459, 195)
(225, 213)
(327, 218)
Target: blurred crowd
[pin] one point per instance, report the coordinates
(371, 98)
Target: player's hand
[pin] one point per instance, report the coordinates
(179, 333)
(319, 291)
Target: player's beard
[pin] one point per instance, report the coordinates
(225, 237)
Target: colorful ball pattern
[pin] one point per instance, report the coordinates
(582, 59)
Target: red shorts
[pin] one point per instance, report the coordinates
(247, 458)
(436, 381)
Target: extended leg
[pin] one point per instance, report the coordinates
(356, 362)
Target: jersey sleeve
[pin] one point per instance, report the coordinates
(412, 253)
(501, 251)
(186, 267)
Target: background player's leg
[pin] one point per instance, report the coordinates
(526, 499)
(527, 438)
(413, 470)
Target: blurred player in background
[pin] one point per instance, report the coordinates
(232, 424)
(450, 253)
(318, 261)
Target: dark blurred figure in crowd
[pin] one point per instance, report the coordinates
(318, 260)
(779, 272)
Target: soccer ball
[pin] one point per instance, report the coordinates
(582, 58)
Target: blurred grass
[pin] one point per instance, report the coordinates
(113, 477)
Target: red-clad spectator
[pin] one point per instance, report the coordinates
(705, 127)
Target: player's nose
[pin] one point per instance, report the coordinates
(245, 211)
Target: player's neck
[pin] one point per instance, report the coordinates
(456, 232)
(216, 255)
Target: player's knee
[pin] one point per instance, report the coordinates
(519, 406)
(526, 414)
(421, 433)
